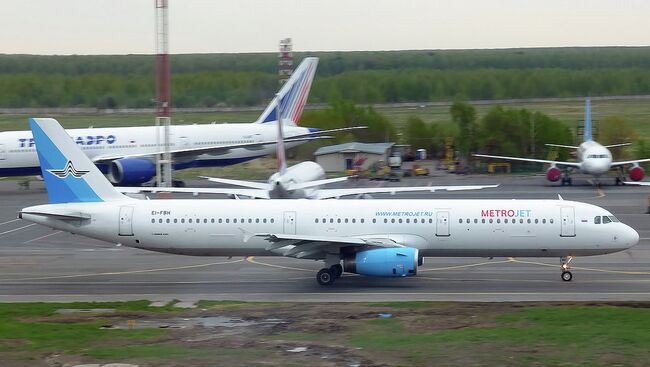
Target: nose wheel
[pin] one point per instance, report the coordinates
(566, 274)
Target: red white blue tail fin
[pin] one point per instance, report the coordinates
(293, 94)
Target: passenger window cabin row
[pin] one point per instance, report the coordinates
(211, 220)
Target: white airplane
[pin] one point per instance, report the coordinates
(593, 158)
(387, 238)
(127, 154)
(300, 181)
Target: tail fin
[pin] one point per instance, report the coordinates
(281, 152)
(70, 176)
(293, 95)
(587, 130)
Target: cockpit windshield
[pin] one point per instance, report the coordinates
(597, 156)
(604, 219)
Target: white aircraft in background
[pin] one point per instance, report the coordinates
(593, 158)
(127, 154)
(300, 181)
(387, 238)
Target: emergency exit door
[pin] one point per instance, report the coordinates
(126, 221)
(568, 222)
(442, 224)
(290, 222)
(3, 152)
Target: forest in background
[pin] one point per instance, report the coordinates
(209, 80)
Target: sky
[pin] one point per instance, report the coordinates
(90, 27)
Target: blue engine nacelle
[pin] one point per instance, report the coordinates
(131, 171)
(383, 262)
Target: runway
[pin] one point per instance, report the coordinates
(40, 264)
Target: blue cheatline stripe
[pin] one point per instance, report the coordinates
(59, 190)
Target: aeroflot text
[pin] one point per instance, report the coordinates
(506, 213)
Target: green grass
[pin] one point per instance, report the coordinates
(635, 111)
(576, 335)
(33, 326)
(148, 351)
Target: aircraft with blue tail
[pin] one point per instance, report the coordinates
(127, 154)
(382, 238)
(593, 159)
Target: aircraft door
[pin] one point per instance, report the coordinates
(442, 224)
(568, 222)
(289, 223)
(126, 221)
(3, 152)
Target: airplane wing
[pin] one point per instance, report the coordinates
(254, 193)
(335, 193)
(223, 149)
(617, 145)
(317, 247)
(304, 185)
(622, 163)
(562, 146)
(639, 183)
(214, 149)
(557, 163)
(250, 184)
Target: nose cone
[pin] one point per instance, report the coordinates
(629, 237)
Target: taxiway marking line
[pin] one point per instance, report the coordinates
(9, 221)
(124, 272)
(586, 269)
(42, 237)
(17, 229)
(251, 260)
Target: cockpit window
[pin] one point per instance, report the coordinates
(606, 219)
(614, 219)
(597, 220)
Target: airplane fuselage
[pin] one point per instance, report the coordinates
(594, 158)
(18, 154)
(531, 228)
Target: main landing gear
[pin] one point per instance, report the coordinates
(566, 179)
(327, 276)
(566, 274)
(620, 179)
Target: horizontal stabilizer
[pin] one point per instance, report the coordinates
(75, 216)
(305, 185)
(250, 184)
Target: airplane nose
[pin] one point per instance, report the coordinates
(630, 237)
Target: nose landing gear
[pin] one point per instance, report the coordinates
(564, 265)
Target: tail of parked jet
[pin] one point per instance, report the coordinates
(587, 130)
(293, 95)
(70, 176)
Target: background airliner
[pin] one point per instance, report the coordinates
(593, 158)
(386, 238)
(300, 181)
(127, 154)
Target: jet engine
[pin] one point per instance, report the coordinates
(383, 262)
(553, 174)
(131, 171)
(636, 173)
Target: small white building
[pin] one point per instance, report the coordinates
(338, 158)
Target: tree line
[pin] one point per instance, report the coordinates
(225, 88)
(333, 63)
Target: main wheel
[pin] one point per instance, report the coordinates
(567, 276)
(325, 277)
(336, 270)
